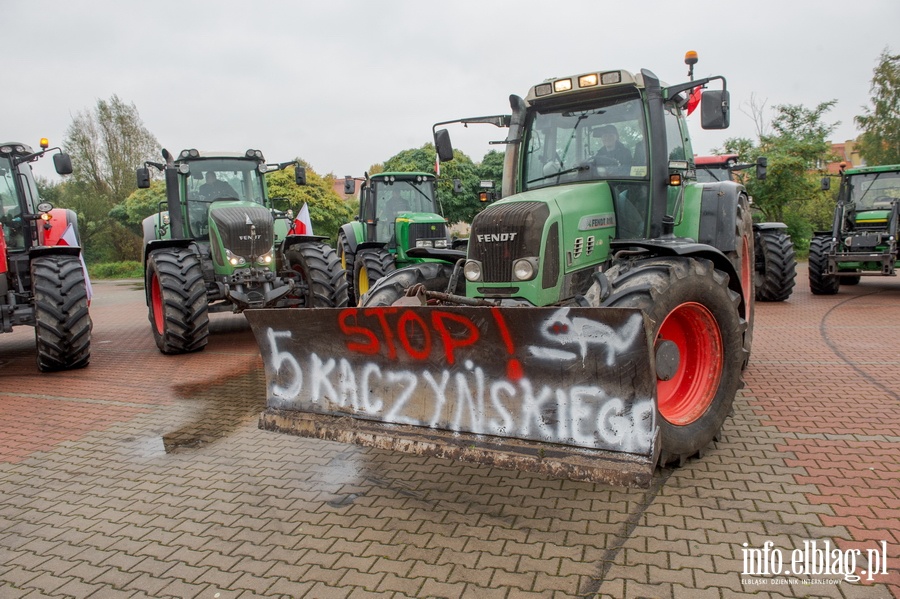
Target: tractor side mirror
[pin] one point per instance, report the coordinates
(715, 111)
(143, 177)
(457, 186)
(349, 185)
(443, 145)
(63, 163)
(762, 164)
(300, 175)
(826, 183)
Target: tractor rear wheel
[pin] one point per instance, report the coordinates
(369, 267)
(742, 258)
(688, 304)
(176, 295)
(316, 268)
(819, 282)
(776, 265)
(346, 256)
(434, 275)
(62, 323)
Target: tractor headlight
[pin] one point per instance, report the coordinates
(524, 269)
(234, 259)
(424, 243)
(440, 243)
(472, 270)
(266, 258)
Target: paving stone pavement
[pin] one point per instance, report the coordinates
(146, 476)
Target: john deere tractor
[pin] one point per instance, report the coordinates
(863, 238)
(776, 263)
(597, 325)
(397, 212)
(43, 282)
(218, 244)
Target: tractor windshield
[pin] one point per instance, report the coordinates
(874, 190)
(14, 226)
(400, 195)
(220, 179)
(589, 143)
(712, 173)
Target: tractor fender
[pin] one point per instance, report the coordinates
(370, 245)
(689, 249)
(769, 226)
(295, 239)
(50, 250)
(718, 204)
(350, 235)
(60, 220)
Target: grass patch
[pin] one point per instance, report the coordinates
(128, 269)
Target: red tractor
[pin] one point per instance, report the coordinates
(43, 282)
(776, 264)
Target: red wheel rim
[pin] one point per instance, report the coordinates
(156, 302)
(687, 395)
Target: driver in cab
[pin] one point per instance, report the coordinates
(214, 188)
(612, 155)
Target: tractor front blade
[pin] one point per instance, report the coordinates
(570, 392)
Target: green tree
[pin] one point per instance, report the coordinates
(880, 139)
(327, 211)
(106, 145)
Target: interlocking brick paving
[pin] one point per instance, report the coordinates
(146, 476)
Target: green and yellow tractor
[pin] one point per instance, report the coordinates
(596, 326)
(397, 212)
(863, 237)
(219, 244)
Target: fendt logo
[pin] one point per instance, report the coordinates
(249, 237)
(495, 237)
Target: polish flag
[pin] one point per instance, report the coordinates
(303, 219)
(693, 100)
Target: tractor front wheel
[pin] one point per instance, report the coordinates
(690, 309)
(434, 275)
(776, 265)
(62, 324)
(346, 256)
(819, 282)
(369, 267)
(320, 281)
(176, 294)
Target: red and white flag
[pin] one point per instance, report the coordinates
(303, 218)
(68, 238)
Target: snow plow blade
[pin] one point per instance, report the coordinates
(569, 392)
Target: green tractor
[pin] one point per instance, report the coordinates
(597, 324)
(397, 212)
(863, 238)
(776, 262)
(219, 244)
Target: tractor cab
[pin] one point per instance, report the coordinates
(392, 203)
(869, 198)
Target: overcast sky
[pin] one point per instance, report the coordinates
(346, 84)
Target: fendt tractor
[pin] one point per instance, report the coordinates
(596, 326)
(42, 278)
(397, 211)
(776, 262)
(863, 237)
(219, 244)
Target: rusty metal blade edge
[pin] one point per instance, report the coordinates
(582, 464)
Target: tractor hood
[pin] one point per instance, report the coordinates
(245, 229)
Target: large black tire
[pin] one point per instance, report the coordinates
(176, 296)
(819, 282)
(321, 282)
(369, 267)
(434, 275)
(62, 323)
(347, 257)
(742, 258)
(689, 303)
(776, 265)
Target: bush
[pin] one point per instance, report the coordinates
(128, 269)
